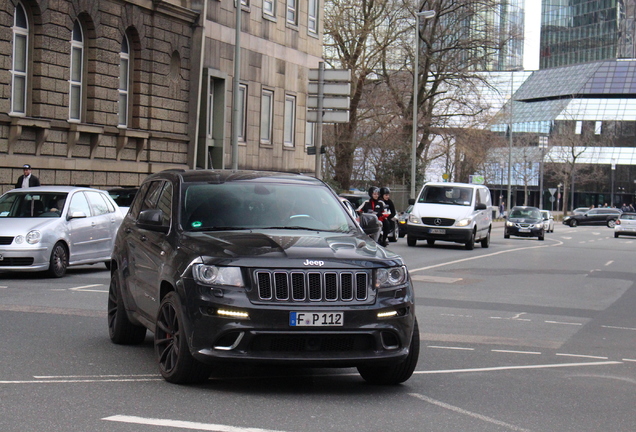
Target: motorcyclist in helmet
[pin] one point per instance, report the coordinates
(377, 206)
(385, 196)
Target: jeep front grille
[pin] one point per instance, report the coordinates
(312, 286)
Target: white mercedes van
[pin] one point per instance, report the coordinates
(454, 212)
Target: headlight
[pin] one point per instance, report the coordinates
(508, 223)
(463, 222)
(213, 275)
(33, 237)
(390, 277)
(414, 219)
(18, 239)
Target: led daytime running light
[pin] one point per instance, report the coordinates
(231, 313)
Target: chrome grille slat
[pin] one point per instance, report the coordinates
(297, 286)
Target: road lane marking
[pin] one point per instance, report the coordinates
(182, 424)
(503, 368)
(581, 356)
(516, 352)
(609, 263)
(629, 360)
(92, 376)
(619, 328)
(467, 413)
(436, 279)
(563, 323)
(450, 348)
(81, 381)
(85, 288)
(558, 243)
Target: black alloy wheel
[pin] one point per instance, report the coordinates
(573, 223)
(120, 330)
(176, 363)
(611, 223)
(59, 260)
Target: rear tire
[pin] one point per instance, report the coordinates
(485, 242)
(120, 329)
(611, 223)
(410, 240)
(470, 244)
(397, 373)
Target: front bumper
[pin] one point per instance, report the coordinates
(524, 232)
(27, 259)
(267, 336)
(429, 232)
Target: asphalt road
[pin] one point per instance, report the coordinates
(522, 336)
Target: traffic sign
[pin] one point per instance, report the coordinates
(335, 89)
(329, 116)
(329, 102)
(330, 74)
(552, 191)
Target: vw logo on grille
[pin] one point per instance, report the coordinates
(438, 221)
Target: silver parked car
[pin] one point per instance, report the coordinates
(548, 221)
(49, 228)
(625, 225)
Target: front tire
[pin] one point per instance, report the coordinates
(59, 260)
(410, 240)
(120, 329)
(506, 235)
(397, 373)
(176, 363)
(573, 223)
(615, 235)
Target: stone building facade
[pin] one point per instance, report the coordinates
(103, 92)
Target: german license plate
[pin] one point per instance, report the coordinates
(316, 319)
(524, 230)
(437, 231)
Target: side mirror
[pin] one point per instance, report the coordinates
(480, 206)
(76, 215)
(151, 220)
(411, 201)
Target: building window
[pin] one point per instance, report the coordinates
(312, 17)
(310, 134)
(20, 61)
(242, 112)
(124, 83)
(598, 127)
(267, 105)
(77, 73)
(290, 120)
(292, 12)
(269, 8)
(210, 125)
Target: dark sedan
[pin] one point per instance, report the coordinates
(525, 222)
(595, 216)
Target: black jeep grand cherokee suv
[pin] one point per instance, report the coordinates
(261, 267)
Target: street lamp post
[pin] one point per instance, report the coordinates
(416, 70)
(612, 190)
(543, 144)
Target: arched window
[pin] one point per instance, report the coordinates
(77, 73)
(20, 61)
(124, 83)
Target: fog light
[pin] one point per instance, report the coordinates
(232, 314)
(387, 314)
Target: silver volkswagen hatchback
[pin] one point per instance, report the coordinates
(50, 228)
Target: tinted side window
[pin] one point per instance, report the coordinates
(139, 199)
(151, 198)
(79, 203)
(97, 203)
(165, 203)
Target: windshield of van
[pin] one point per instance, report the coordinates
(454, 195)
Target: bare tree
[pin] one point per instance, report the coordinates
(375, 39)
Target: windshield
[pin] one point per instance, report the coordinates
(246, 205)
(525, 214)
(29, 205)
(446, 195)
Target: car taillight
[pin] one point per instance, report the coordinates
(618, 221)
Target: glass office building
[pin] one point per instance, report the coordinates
(581, 31)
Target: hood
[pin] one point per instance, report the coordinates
(10, 227)
(249, 248)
